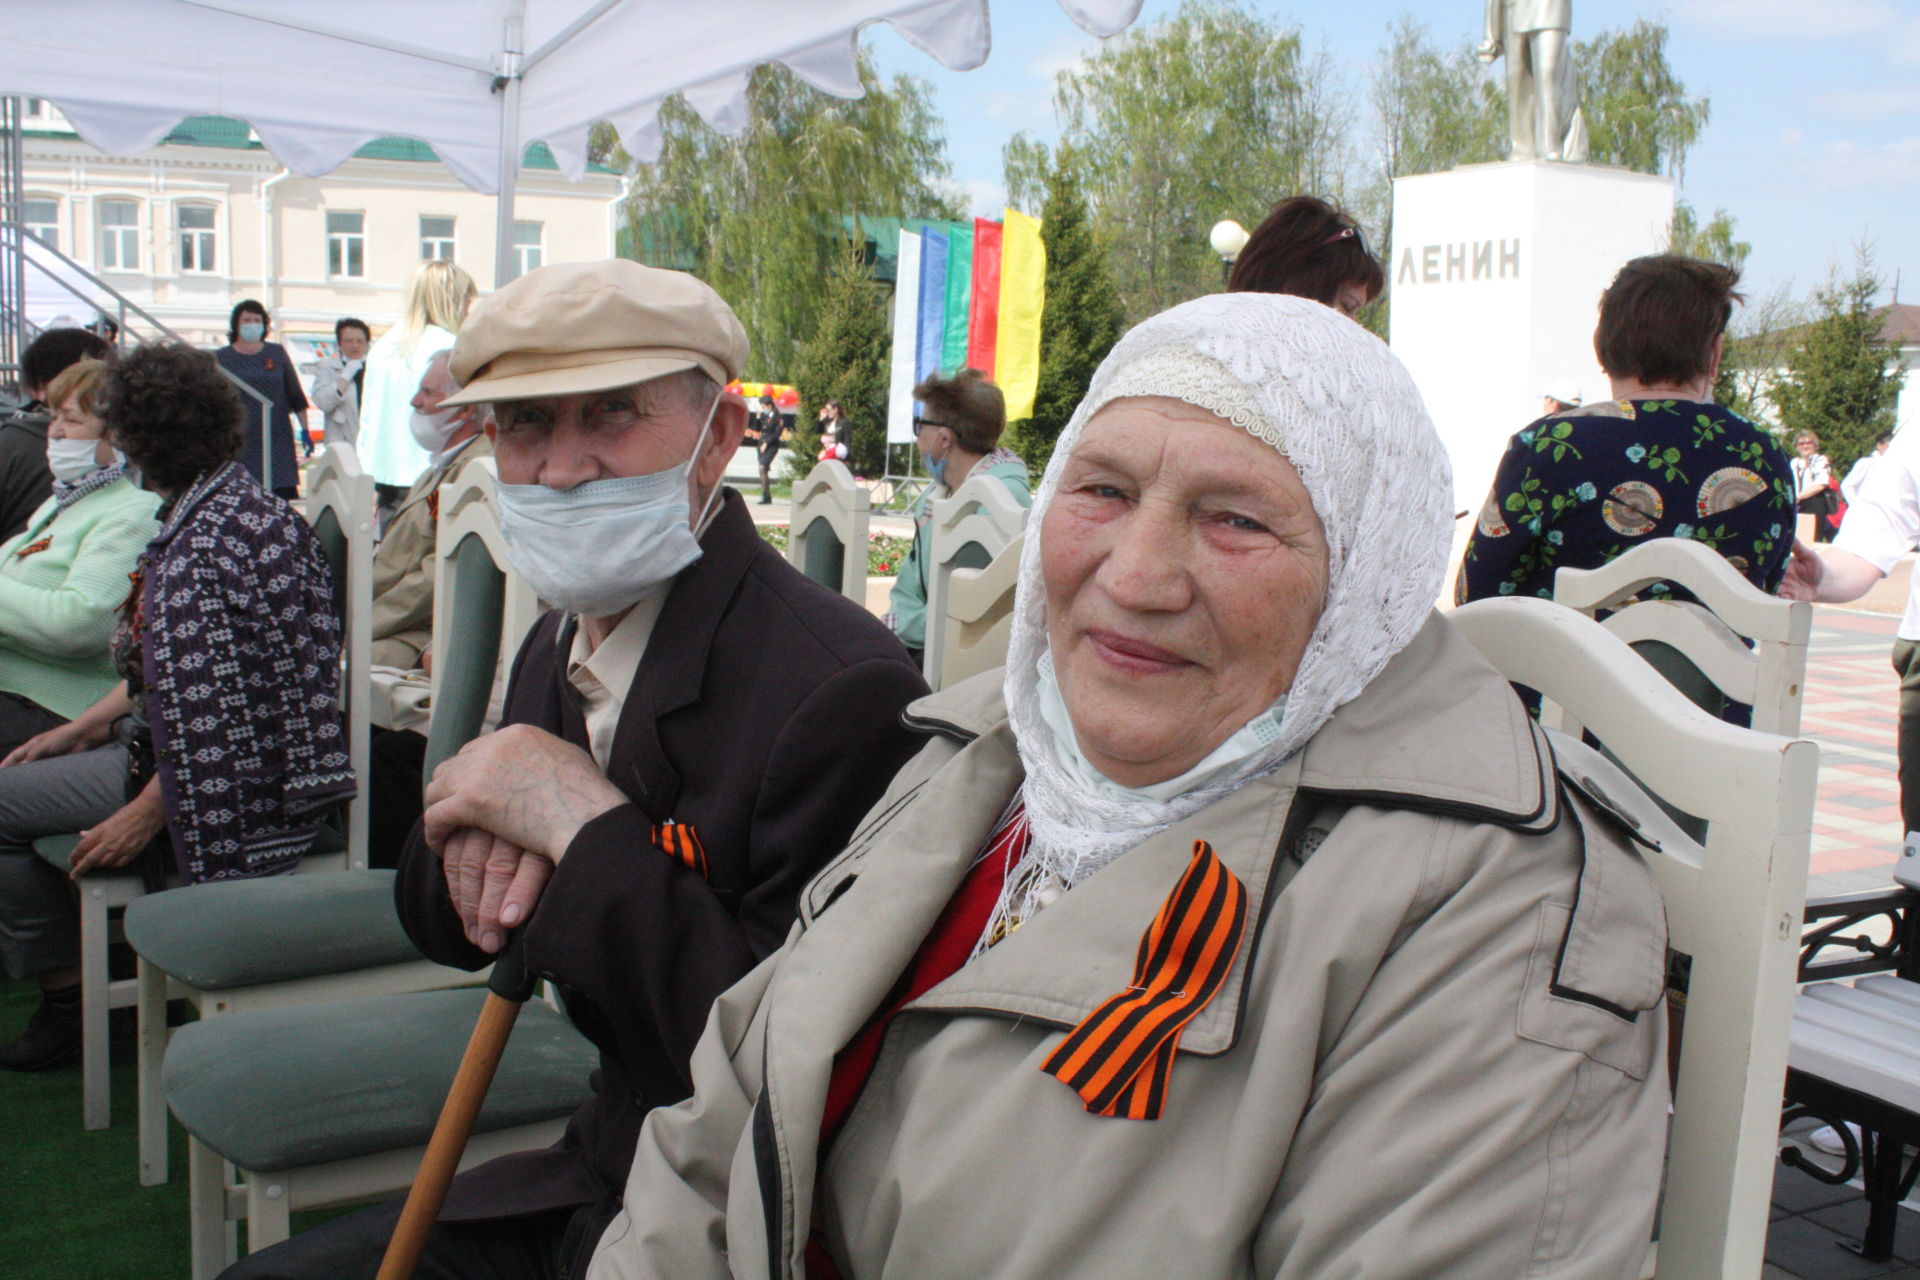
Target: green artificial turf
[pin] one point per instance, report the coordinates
(75, 1206)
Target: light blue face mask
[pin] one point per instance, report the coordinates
(600, 548)
(937, 468)
(1242, 743)
(252, 331)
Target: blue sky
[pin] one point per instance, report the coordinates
(1814, 141)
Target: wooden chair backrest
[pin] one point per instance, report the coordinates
(979, 617)
(482, 609)
(827, 529)
(1733, 904)
(340, 508)
(969, 531)
(1712, 635)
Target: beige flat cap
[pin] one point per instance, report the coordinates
(593, 326)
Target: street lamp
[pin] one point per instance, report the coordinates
(1228, 238)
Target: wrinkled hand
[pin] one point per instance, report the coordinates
(118, 840)
(493, 884)
(65, 740)
(521, 785)
(1804, 572)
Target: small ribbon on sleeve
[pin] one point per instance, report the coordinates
(1120, 1058)
(679, 840)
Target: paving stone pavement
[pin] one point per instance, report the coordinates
(1850, 709)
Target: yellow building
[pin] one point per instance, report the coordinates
(183, 228)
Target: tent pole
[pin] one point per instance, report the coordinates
(508, 86)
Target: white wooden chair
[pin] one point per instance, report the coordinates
(480, 608)
(968, 530)
(269, 944)
(1769, 676)
(340, 506)
(979, 617)
(1734, 904)
(827, 524)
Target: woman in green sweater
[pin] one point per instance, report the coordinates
(63, 578)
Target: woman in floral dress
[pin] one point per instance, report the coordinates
(1658, 460)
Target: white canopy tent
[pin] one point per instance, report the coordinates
(478, 80)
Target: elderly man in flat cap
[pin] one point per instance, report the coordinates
(686, 675)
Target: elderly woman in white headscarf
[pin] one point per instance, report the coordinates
(1244, 927)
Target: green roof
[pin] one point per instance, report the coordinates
(225, 131)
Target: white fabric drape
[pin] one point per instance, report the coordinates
(317, 82)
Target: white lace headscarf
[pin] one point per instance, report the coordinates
(1343, 410)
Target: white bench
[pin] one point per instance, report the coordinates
(1854, 1054)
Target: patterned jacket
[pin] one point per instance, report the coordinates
(242, 672)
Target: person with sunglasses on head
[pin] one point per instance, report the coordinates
(958, 432)
(1309, 248)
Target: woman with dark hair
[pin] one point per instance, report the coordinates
(338, 379)
(1310, 249)
(1657, 460)
(268, 369)
(224, 734)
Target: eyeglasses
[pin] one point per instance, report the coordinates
(1348, 233)
(925, 422)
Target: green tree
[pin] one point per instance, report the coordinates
(1024, 164)
(845, 358)
(1756, 350)
(1082, 319)
(1433, 110)
(1712, 240)
(1843, 375)
(1638, 113)
(762, 216)
(1211, 113)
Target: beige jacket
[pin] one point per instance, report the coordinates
(1439, 1051)
(403, 565)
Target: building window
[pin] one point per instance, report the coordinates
(527, 253)
(193, 223)
(119, 235)
(436, 239)
(346, 244)
(41, 216)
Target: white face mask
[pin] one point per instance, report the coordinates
(431, 430)
(600, 548)
(72, 460)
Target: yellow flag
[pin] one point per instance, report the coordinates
(1023, 291)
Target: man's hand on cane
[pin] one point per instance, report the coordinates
(501, 814)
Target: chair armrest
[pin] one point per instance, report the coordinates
(1837, 941)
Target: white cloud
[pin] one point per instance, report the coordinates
(985, 197)
(1872, 167)
(1880, 103)
(1794, 19)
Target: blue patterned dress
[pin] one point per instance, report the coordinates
(1582, 487)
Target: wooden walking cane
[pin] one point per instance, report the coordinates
(510, 986)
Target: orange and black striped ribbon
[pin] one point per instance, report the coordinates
(1120, 1058)
(680, 840)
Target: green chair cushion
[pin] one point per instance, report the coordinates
(56, 851)
(242, 933)
(296, 1087)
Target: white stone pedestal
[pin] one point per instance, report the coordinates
(1497, 271)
